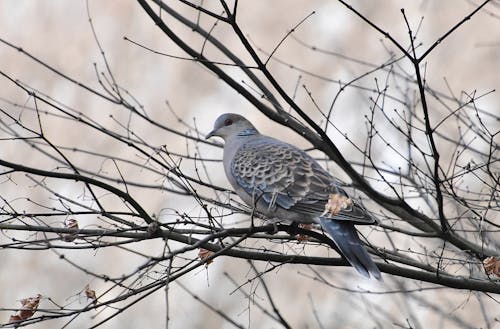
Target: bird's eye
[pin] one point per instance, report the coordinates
(228, 122)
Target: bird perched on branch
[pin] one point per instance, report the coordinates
(281, 181)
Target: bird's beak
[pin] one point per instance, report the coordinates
(210, 134)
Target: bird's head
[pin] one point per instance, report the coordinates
(230, 125)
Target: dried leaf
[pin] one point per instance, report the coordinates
(204, 254)
(492, 266)
(90, 294)
(28, 309)
(70, 223)
(15, 318)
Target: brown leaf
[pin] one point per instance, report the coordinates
(70, 223)
(204, 254)
(15, 318)
(90, 294)
(28, 309)
(492, 266)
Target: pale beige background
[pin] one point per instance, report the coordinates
(58, 33)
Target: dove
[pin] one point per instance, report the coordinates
(283, 182)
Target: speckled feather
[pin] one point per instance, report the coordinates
(285, 176)
(282, 181)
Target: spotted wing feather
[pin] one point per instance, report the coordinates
(281, 175)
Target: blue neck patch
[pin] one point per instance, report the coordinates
(248, 132)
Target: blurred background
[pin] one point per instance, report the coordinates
(59, 34)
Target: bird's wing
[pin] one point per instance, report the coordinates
(278, 174)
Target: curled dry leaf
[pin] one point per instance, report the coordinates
(90, 294)
(204, 254)
(70, 223)
(28, 309)
(336, 203)
(15, 318)
(492, 265)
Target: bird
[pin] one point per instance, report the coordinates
(281, 181)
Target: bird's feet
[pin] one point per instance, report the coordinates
(294, 230)
(304, 237)
(275, 222)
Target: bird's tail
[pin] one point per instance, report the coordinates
(347, 240)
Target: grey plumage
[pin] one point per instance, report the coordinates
(284, 182)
